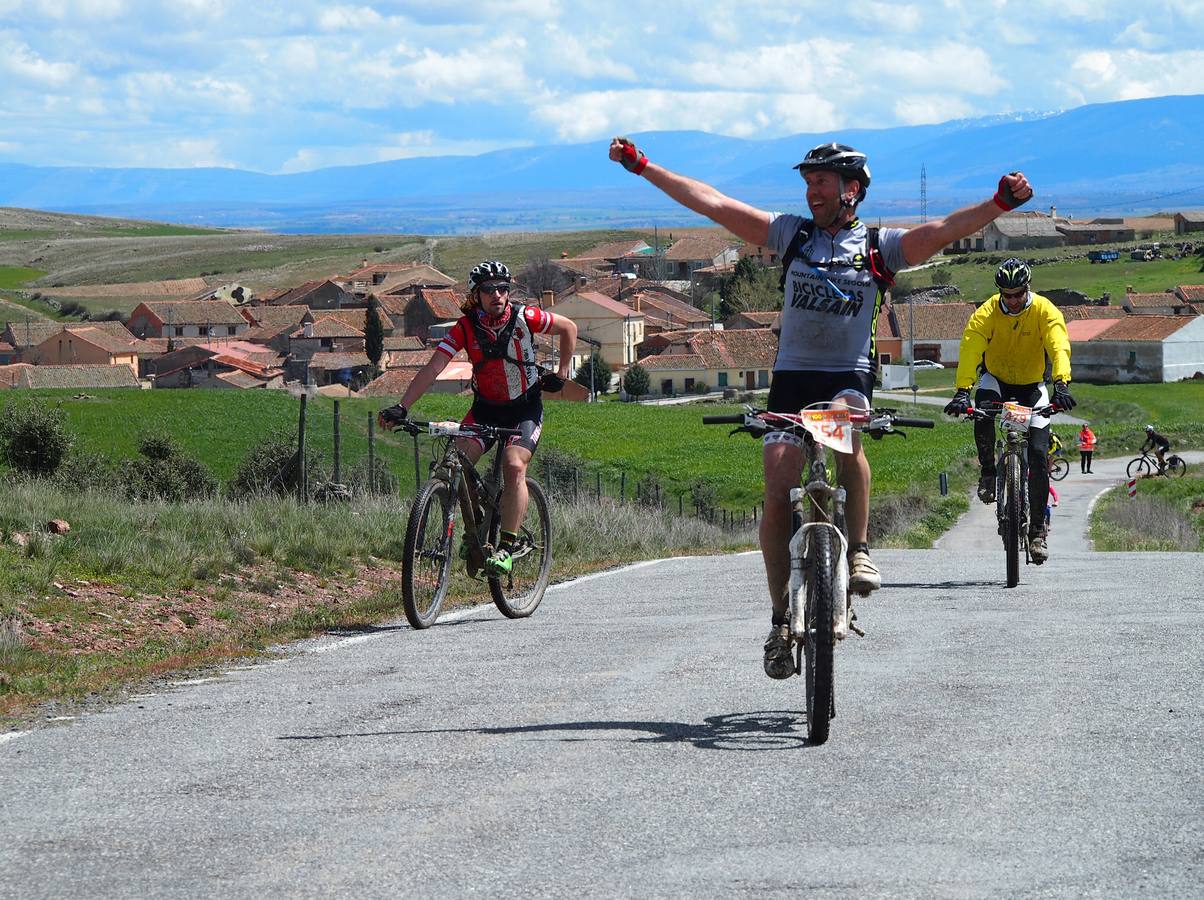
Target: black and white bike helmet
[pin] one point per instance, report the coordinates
(1149, 428)
(489, 270)
(1013, 275)
(841, 159)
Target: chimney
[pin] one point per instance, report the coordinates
(549, 297)
(1053, 211)
(636, 305)
(307, 330)
(564, 254)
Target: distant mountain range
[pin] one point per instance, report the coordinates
(1105, 159)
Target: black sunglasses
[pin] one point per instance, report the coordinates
(494, 289)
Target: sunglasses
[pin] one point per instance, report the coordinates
(1014, 295)
(494, 289)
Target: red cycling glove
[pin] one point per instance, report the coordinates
(1004, 198)
(632, 159)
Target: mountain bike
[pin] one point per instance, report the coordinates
(1147, 464)
(820, 603)
(1059, 468)
(431, 531)
(1012, 501)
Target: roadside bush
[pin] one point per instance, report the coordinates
(166, 472)
(271, 469)
(83, 470)
(357, 478)
(33, 437)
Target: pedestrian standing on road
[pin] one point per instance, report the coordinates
(1086, 449)
(835, 270)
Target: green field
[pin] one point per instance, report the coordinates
(974, 274)
(12, 277)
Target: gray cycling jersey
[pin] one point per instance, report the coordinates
(830, 311)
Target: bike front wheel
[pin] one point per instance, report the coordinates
(1175, 467)
(426, 564)
(819, 643)
(519, 593)
(1139, 467)
(1058, 469)
(1013, 531)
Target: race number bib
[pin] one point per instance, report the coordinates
(831, 427)
(1016, 417)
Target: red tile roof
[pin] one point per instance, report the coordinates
(1144, 328)
(612, 250)
(327, 327)
(392, 383)
(443, 302)
(934, 321)
(701, 246)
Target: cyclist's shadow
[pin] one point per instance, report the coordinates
(745, 731)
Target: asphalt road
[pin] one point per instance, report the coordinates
(1040, 741)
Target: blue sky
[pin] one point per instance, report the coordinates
(290, 86)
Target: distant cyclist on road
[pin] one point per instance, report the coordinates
(835, 272)
(1003, 349)
(1156, 442)
(498, 336)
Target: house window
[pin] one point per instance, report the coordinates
(885, 359)
(179, 330)
(231, 329)
(763, 378)
(667, 387)
(689, 385)
(327, 343)
(723, 379)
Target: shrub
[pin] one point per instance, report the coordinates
(600, 377)
(271, 468)
(636, 381)
(83, 470)
(33, 437)
(166, 472)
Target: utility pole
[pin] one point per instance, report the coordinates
(923, 194)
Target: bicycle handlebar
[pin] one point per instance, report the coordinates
(876, 421)
(458, 429)
(723, 420)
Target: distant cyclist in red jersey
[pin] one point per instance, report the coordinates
(498, 337)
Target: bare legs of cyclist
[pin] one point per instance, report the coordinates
(783, 464)
(515, 460)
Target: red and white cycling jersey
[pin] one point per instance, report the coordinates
(499, 380)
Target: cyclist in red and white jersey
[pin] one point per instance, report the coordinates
(498, 337)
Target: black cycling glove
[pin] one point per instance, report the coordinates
(960, 404)
(393, 416)
(1061, 397)
(551, 382)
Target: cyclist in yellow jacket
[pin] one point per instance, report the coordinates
(1004, 348)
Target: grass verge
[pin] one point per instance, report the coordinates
(1166, 514)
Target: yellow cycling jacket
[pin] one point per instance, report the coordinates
(1013, 348)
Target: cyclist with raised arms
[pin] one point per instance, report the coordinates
(834, 275)
(498, 337)
(1003, 349)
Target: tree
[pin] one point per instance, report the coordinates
(595, 374)
(750, 288)
(636, 381)
(374, 334)
(542, 275)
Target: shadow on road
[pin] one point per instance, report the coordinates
(747, 731)
(943, 585)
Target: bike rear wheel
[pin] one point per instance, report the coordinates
(1139, 467)
(1175, 466)
(1058, 469)
(1013, 531)
(518, 594)
(820, 641)
(426, 564)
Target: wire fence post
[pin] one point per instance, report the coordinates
(338, 447)
(599, 490)
(371, 454)
(681, 504)
(302, 486)
(622, 485)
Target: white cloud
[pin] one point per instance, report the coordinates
(1102, 75)
(180, 153)
(348, 18)
(599, 114)
(402, 145)
(23, 64)
(929, 109)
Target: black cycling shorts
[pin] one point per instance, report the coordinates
(526, 415)
(791, 390)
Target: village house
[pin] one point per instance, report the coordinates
(614, 257)
(272, 325)
(393, 278)
(318, 294)
(1189, 221)
(85, 346)
(1167, 303)
(239, 364)
(614, 327)
(1137, 348)
(77, 377)
(1097, 231)
(701, 361)
(25, 337)
(1021, 231)
(938, 331)
(214, 319)
(701, 251)
(430, 307)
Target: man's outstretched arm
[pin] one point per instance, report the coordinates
(746, 222)
(925, 241)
